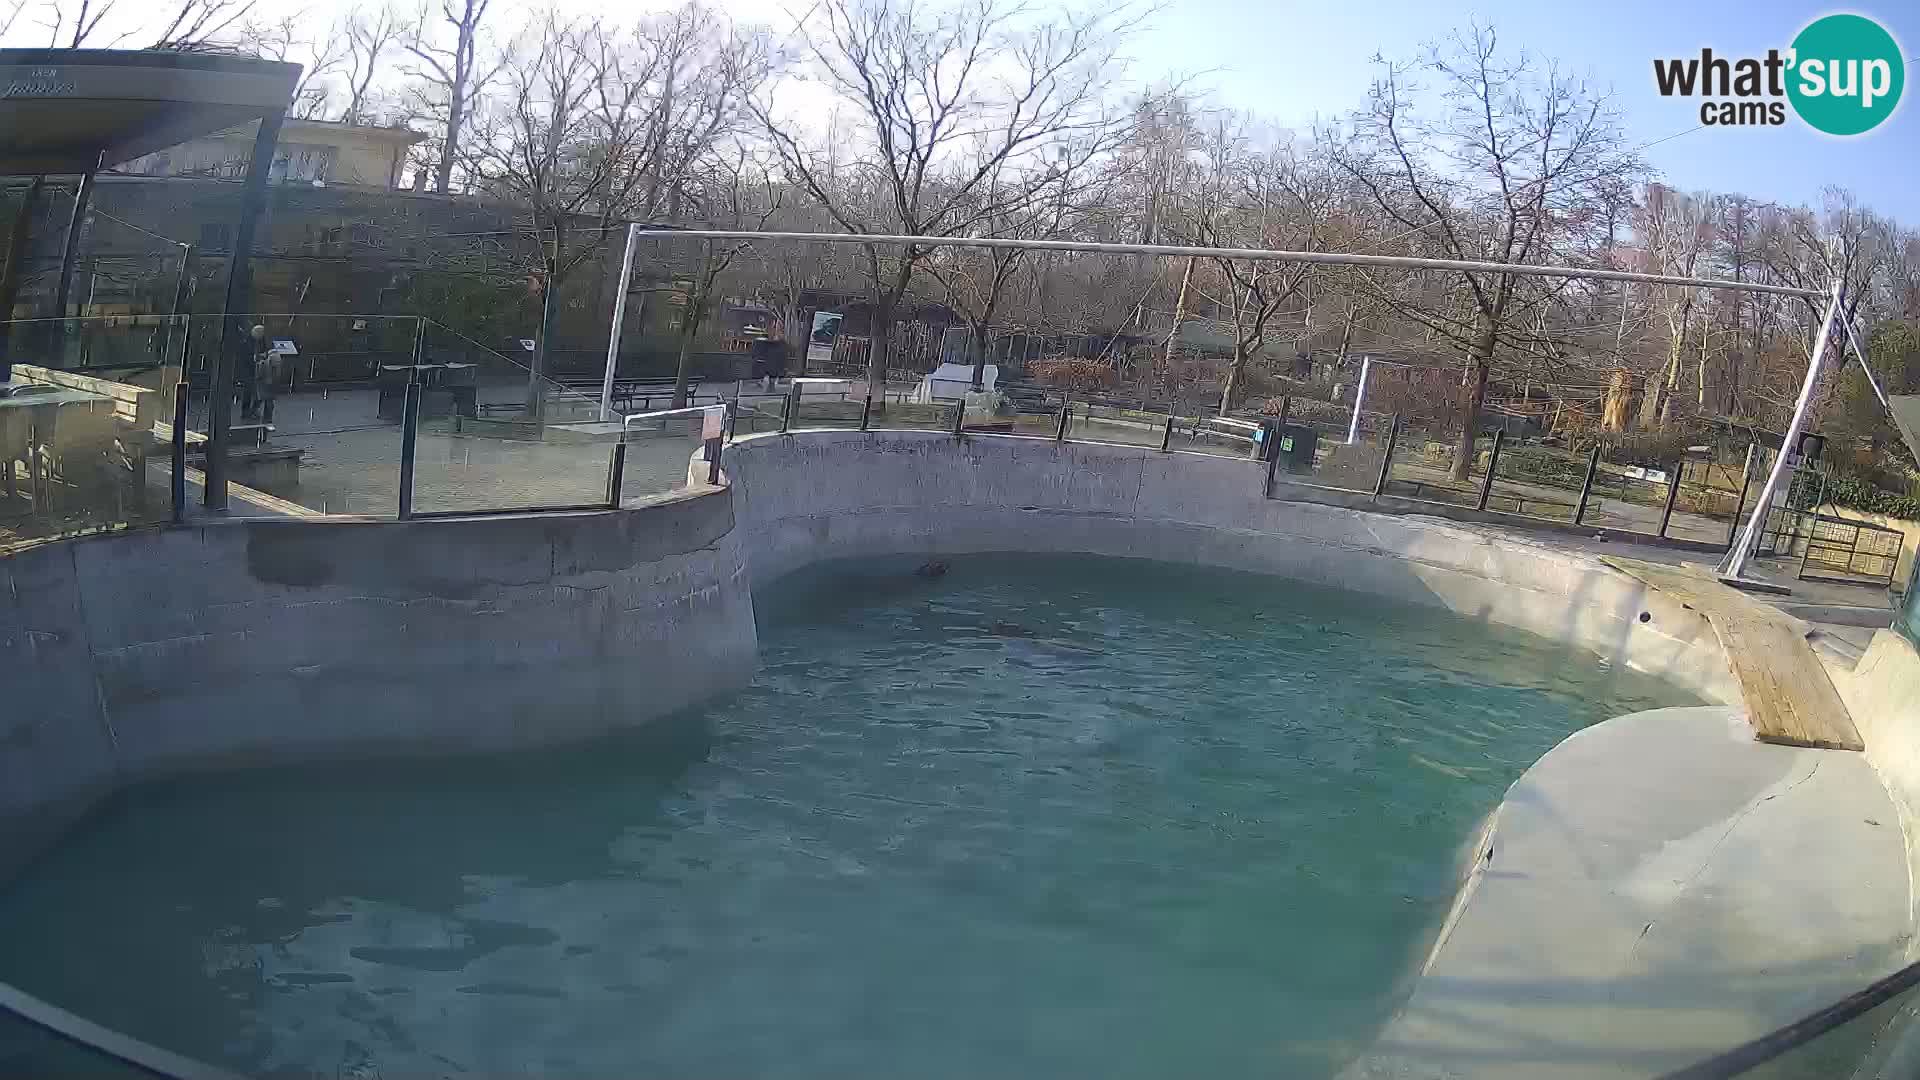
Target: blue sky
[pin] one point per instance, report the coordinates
(1295, 61)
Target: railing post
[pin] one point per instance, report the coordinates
(788, 407)
(1740, 504)
(409, 436)
(1286, 406)
(1273, 457)
(1673, 492)
(179, 477)
(1493, 462)
(1386, 459)
(1066, 414)
(1166, 437)
(712, 447)
(1586, 485)
(617, 472)
(959, 417)
(866, 413)
(733, 420)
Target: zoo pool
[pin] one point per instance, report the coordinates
(1034, 816)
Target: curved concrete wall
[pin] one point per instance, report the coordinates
(139, 654)
(815, 495)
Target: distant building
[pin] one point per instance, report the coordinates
(320, 152)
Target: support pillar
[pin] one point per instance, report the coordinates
(253, 202)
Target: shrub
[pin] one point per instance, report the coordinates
(1856, 492)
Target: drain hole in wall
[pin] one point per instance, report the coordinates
(1646, 616)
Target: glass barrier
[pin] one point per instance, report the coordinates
(1031, 411)
(1424, 466)
(86, 422)
(1126, 425)
(1629, 491)
(40, 1040)
(1711, 500)
(1538, 481)
(1318, 453)
(495, 436)
(660, 450)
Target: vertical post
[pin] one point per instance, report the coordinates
(1737, 557)
(179, 462)
(1493, 463)
(1166, 436)
(1359, 399)
(866, 412)
(1673, 492)
(959, 417)
(1273, 460)
(711, 448)
(617, 472)
(1066, 414)
(409, 436)
(1739, 504)
(787, 406)
(1286, 406)
(619, 320)
(75, 222)
(253, 201)
(1386, 459)
(1586, 485)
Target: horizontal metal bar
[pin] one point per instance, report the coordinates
(688, 411)
(1331, 258)
(500, 511)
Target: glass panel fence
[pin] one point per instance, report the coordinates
(1535, 480)
(661, 449)
(86, 420)
(1426, 465)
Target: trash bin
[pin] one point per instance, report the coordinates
(1296, 447)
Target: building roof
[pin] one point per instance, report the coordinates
(62, 109)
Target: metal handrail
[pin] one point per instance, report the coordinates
(627, 420)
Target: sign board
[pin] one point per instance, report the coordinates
(826, 329)
(284, 347)
(713, 422)
(526, 343)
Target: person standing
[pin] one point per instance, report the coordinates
(266, 375)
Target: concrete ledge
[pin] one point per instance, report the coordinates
(274, 641)
(815, 495)
(1656, 889)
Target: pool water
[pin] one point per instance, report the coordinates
(1034, 817)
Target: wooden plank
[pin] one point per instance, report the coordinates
(1789, 697)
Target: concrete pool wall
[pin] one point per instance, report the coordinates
(815, 495)
(139, 654)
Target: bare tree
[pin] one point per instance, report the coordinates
(1505, 170)
(956, 115)
(451, 76)
(287, 40)
(368, 38)
(202, 25)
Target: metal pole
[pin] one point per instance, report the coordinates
(179, 477)
(1273, 462)
(409, 436)
(1737, 558)
(712, 448)
(1386, 459)
(617, 472)
(1746, 480)
(1359, 399)
(253, 202)
(1493, 462)
(959, 417)
(1066, 413)
(787, 407)
(1166, 437)
(1673, 492)
(866, 412)
(619, 321)
(75, 222)
(1586, 485)
(1327, 258)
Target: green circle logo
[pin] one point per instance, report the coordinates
(1846, 74)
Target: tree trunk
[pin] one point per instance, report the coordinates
(979, 356)
(536, 371)
(682, 376)
(456, 117)
(1476, 395)
(1230, 392)
(1179, 315)
(1346, 340)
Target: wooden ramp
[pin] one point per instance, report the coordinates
(1788, 695)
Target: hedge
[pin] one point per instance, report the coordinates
(1858, 493)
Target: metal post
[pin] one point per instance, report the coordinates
(1066, 412)
(959, 417)
(1737, 557)
(1273, 461)
(619, 320)
(179, 463)
(1359, 399)
(1586, 485)
(617, 472)
(75, 222)
(712, 448)
(1386, 459)
(787, 406)
(1286, 406)
(1673, 492)
(1746, 480)
(1493, 462)
(409, 435)
(866, 412)
(1166, 437)
(733, 419)
(253, 202)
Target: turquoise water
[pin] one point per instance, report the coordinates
(1037, 817)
